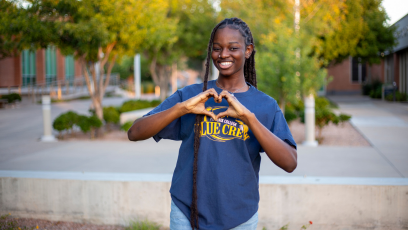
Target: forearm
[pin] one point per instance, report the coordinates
(280, 153)
(146, 127)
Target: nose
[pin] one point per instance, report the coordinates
(224, 53)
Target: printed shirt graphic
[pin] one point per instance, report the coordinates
(225, 128)
(228, 158)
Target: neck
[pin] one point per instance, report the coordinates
(232, 83)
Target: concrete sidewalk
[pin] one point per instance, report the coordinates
(384, 124)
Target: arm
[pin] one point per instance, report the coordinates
(280, 153)
(146, 127)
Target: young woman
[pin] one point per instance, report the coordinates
(224, 125)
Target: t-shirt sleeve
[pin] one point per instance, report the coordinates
(172, 130)
(281, 129)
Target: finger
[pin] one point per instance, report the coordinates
(222, 114)
(210, 114)
(215, 94)
(211, 93)
(224, 93)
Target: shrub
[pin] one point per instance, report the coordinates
(324, 115)
(148, 87)
(65, 121)
(371, 89)
(290, 114)
(84, 124)
(398, 96)
(137, 104)
(376, 93)
(110, 115)
(94, 123)
(125, 127)
(12, 97)
(61, 123)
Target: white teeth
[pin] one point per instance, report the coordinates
(226, 63)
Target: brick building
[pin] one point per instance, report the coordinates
(40, 67)
(349, 75)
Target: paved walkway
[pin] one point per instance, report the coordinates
(384, 124)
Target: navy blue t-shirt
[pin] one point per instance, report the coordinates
(228, 158)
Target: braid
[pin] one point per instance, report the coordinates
(250, 77)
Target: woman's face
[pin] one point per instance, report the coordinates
(229, 52)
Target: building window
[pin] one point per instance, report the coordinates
(69, 67)
(358, 71)
(29, 70)
(50, 65)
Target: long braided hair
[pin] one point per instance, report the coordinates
(250, 77)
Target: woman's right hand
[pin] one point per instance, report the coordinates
(196, 105)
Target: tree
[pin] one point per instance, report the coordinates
(97, 32)
(18, 33)
(358, 29)
(184, 33)
(277, 67)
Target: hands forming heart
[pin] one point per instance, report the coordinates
(196, 105)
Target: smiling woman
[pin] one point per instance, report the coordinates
(224, 125)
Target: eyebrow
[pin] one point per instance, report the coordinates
(229, 43)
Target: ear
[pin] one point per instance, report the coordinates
(248, 51)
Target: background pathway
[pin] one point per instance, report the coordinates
(384, 124)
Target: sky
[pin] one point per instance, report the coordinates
(396, 9)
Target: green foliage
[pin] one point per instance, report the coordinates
(277, 66)
(344, 117)
(95, 122)
(281, 73)
(65, 121)
(290, 113)
(323, 115)
(125, 127)
(372, 89)
(148, 87)
(125, 68)
(143, 225)
(111, 115)
(7, 224)
(398, 96)
(84, 124)
(137, 104)
(12, 97)
(285, 227)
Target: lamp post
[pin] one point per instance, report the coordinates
(137, 76)
(309, 100)
(46, 108)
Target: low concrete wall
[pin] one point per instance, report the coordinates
(133, 115)
(331, 203)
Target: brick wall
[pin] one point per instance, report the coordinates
(40, 66)
(10, 72)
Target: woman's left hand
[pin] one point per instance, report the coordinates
(235, 109)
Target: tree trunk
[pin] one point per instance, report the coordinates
(282, 103)
(174, 77)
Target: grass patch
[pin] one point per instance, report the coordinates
(143, 225)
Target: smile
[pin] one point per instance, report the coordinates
(225, 64)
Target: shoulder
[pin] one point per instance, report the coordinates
(266, 100)
(190, 90)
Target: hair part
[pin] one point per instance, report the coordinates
(250, 77)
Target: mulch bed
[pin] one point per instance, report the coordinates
(10, 222)
(341, 135)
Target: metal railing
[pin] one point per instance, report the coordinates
(63, 89)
